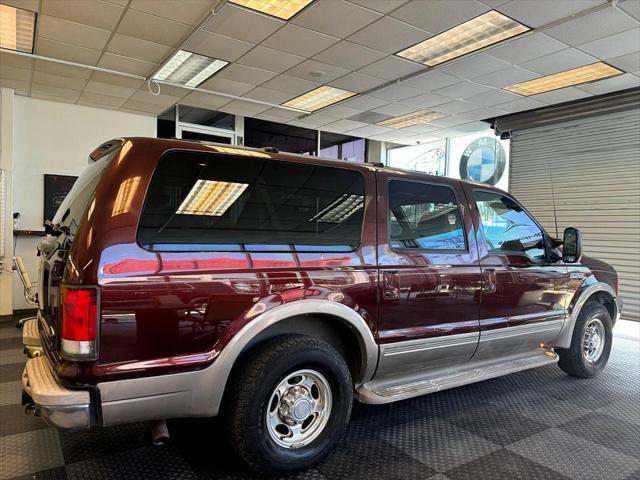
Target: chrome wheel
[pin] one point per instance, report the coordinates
(299, 409)
(594, 340)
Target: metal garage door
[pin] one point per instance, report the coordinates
(589, 171)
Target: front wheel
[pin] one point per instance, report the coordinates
(590, 344)
(288, 404)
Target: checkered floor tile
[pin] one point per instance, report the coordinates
(534, 424)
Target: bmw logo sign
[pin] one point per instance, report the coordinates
(484, 160)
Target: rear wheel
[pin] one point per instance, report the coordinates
(288, 404)
(590, 344)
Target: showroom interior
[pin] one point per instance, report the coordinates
(536, 98)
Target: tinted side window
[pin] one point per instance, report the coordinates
(507, 227)
(204, 202)
(424, 216)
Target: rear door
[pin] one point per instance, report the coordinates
(524, 293)
(430, 277)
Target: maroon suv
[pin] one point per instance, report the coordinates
(186, 280)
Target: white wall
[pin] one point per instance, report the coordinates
(56, 138)
(6, 164)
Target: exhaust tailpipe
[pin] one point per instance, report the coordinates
(159, 432)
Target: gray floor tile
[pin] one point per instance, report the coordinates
(29, 452)
(13, 419)
(627, 409)
(11, 372)
(10, 331)
(12, 356)
(575, 457)
(10, 393)
(13, 342)
(437, 443)
(59, 473)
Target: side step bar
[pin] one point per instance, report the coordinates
(391, 390)
(31, 338)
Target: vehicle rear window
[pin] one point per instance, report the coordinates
(211, 202)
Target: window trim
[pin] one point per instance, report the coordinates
(545, 235)
(242, 250)
(432, 251)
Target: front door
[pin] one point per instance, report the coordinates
(524, 293)
(429, 274)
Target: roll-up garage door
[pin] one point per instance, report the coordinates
(588, 172)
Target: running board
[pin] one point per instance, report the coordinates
(391, 390)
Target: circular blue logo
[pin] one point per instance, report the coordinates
(484, 160)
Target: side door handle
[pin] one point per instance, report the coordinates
(390, 285)
(489, 280)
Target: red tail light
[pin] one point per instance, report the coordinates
(79, 322)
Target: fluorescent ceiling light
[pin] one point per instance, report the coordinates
(339, 210)
(189, 69)
(210, 197)
(16, 28)
(284, 9)
(415, 118)
(487, 29)
(575, 76)
(319, 98)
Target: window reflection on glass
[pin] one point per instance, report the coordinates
(508, 228)
(424, 216)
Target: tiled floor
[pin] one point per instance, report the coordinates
(534, 424)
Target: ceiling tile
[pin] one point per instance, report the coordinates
(614, 45)
(155, 29)
(229, 87)
(72, 33)
(343, 126)
(474, 66)
(299, 41)
(204, 100)
(217, 46)
(126, 64)
(369, 117)
(431, 80)
(242, 23)
(268, 95)
(392, 68)
(526, 48)
(61, 69)
(454, 107)
(436, 16)
(462, 90)
(396, 92)
(472, 127)
(141, 106)
(339, 111)
(94, 13)
(483, 113)
(64, 51)
(358, 82)
(396, 109)
(54, 92)
(137, 48)
(508, 76)
(559, 61)
(620, 82)
(240, 107)
(190, 12)
(364, 102)
(389, 35)
(317, 71)
(245, 74)
(73, 83)
(108, 89)
(426, 100)
(133, 111)
(386, 137)
(269, 59)
(335, 17)
(629, 62)
(17, 61)
(349, 55)
(318, 119)
(521, 105)
(292, 85)
(278, 115)
(143, 95)
(13, 73)
(119, 80)
(369, 130)
(592, 27)
(31, 5)
(21, 87)
(561, 95)
(382, 6)
(492, 97)
(541, 12)
(632, 7)
(100, 101)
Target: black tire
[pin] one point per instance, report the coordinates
(248, 396)
(573, 360)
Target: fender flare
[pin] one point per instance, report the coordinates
(564, 337)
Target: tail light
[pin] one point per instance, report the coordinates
(79, 332)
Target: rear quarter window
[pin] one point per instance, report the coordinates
(211, 202)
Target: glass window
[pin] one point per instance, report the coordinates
(427, 157)
(208, 118)
(286, 138)
(206, 202)
(507, 227)
(424, 216)
(342, 147)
